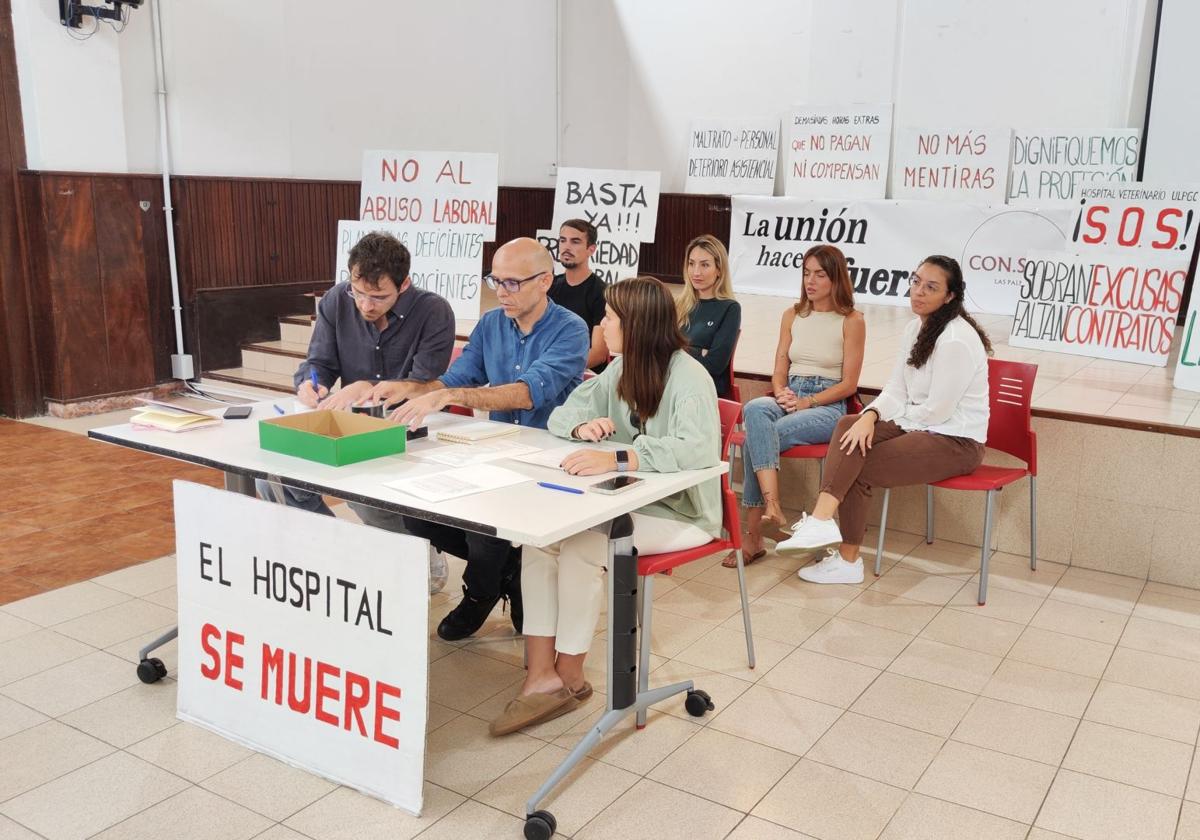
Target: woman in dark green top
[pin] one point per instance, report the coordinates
(708, 314)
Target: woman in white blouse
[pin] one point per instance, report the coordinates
(929, 423)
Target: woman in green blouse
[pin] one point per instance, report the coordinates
(660, 404)
(708, 315)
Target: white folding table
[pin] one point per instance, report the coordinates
(524, 514)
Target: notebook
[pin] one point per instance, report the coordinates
(170, 418)
(472, 432)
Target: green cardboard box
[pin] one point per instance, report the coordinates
(336, 438)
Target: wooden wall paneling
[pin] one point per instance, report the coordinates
(680, 219)
(158, 272)
(20, 388)
(72, 284)
(121, 260)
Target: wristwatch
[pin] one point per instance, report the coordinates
(622, 460)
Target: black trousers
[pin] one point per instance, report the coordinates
(491, 561)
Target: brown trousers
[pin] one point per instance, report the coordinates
(896, 458)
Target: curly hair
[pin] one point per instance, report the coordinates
(379, 255)
(936, 322)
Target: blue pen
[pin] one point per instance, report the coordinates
(279, 410)
(561, 487)
(316, 383)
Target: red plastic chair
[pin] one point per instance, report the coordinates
(458, 409)
(735, 393)
(1010, 387)
(651, 564)
(806, 451)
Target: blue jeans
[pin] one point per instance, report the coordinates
(770, 430)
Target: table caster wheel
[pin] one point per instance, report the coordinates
(540, 825)
(698, 703)
(151, 670)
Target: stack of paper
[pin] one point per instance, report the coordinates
(472, 432)
(453, 484)
(171, 418)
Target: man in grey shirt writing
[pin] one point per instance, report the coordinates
(376, 327)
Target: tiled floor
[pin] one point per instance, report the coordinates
(1069, 706)
(72, 508)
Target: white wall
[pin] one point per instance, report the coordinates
(1022, 63)
(1174, 133)
(297, 88)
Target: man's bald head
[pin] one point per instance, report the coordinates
(521, 258)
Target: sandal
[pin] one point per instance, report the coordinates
(730, 561)
(584, 692)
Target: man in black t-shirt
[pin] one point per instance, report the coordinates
(580, 290)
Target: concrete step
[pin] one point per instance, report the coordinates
(274, 356)
(265, 380)
(297, 329)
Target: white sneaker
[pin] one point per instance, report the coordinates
(833, 569)
(810, 534)
(439, 571)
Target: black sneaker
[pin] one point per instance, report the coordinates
(511, 590)
(467, 617)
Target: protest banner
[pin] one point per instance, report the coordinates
(838, 151)
(445, 259)
(1138, 215)
(286, 648)
(732, 156)
(615, 258)
(969, 164)
(1104, 304)
(1187, 369)
(617, 202)
(1053, 166)
(885, 240)
(455, 189)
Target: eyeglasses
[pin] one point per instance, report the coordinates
(365, 298)
(918, 283)
(510, 286)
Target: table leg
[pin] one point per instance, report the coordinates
(624, 699)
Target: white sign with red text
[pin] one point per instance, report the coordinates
(965, 164)
(295, 648)
(451, 189)
(1118, 305)
(838, 151)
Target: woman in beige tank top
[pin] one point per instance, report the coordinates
(817, 364)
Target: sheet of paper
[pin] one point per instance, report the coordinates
(460, 455)
(553, 458)
(454, 484)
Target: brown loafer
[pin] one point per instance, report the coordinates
(526, 709)
(584, 692)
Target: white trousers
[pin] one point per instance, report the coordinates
(562, 585)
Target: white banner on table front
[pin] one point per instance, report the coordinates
(446, 260)
(305, 637)
(885, 240)
(732, 156)
(1187, 369)
(968, 164)
(616, 256)
(618, 202)
(1054, 166)
(838, 151)
(456, 189)
(1105, 304)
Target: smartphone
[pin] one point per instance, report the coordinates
(619, 484)
(238, 412)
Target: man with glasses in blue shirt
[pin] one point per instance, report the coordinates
(522, 361)
(376, 327)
